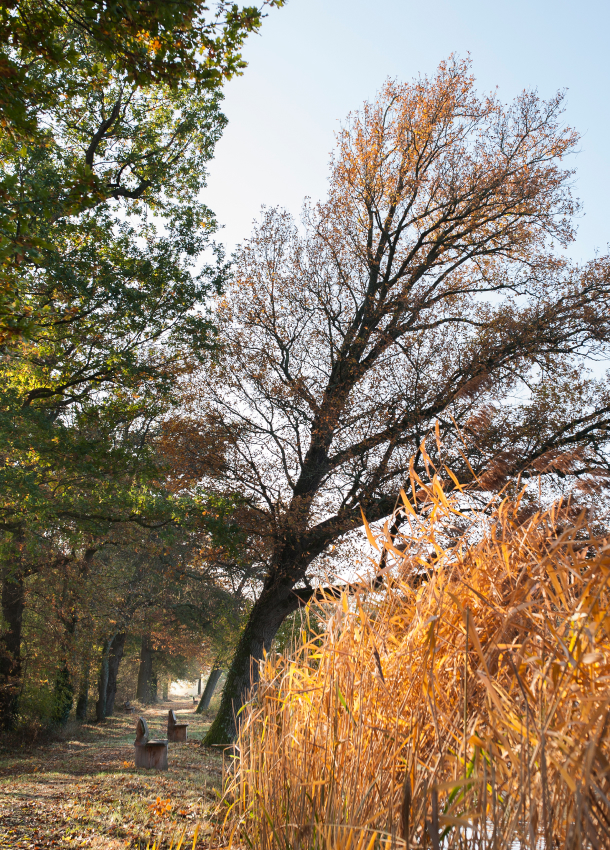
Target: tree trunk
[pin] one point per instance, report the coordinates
(13, 604)
(154, 685)
(144, 692)
(166, 685)
(63, 691)
(117, 648)
(208, 691)
(275, 603)
(100, 706)
(82, 703)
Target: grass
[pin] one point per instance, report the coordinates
(466, 704)
(84, 791)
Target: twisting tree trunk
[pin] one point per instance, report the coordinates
(13, 604)
(144, 692)
(117, 647)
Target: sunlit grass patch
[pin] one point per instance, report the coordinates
(56, 795)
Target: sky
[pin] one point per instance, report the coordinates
(314, 61)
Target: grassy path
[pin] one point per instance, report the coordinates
(84, 791)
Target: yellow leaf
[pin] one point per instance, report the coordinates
(369, 534)
(407, 503)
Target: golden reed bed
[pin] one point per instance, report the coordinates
(462, 704)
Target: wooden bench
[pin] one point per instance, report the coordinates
(176, 732)
(149, 754)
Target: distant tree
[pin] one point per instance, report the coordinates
(425, 289)
(210, 686)
(185, 609)
(150, 589)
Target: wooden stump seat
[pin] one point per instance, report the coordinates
(149, 754)
(176, 732)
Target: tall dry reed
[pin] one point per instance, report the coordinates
(465, 703)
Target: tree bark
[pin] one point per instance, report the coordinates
(63, 691)
(275, 603)
(100, 706)
(154, 688)
(13, 604)
(117, 647)
(144, 691)
(208, 691)
(82, 703)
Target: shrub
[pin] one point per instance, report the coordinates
(63, 697)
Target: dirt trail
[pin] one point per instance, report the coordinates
(84, 791)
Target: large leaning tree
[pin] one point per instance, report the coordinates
(425, 288)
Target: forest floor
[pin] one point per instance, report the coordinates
(84, 790)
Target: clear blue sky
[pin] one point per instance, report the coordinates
(315, 60)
